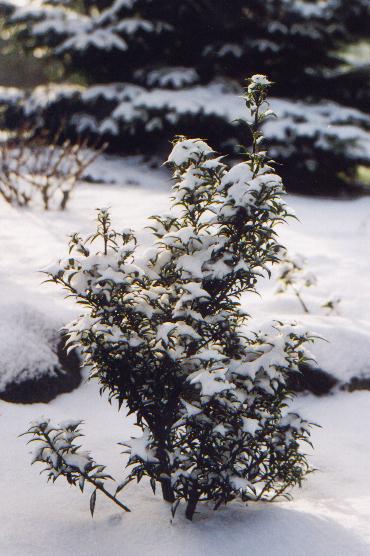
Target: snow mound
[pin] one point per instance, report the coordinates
(27, 344)
(346, 352)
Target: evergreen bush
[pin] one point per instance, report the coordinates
(165, 334)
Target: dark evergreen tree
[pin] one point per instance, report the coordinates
(151, 67)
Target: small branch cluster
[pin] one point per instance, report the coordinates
(36, 170)
(165, 334)
(332, 306)
(63, 458)
(293, 276)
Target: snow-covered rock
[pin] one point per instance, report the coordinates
(34, 365)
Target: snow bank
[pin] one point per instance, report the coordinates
(27, 344)
(334, 237)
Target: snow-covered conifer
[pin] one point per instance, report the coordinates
(151, 68)
(165, 334)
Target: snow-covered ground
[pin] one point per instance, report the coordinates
(329, 516)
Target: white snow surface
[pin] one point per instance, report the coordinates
(27, 339)
(329, 516)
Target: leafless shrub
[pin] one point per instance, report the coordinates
(38, 169)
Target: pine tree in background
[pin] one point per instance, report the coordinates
(149, 68)
(166, 336)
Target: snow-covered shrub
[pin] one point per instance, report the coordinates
(35, 170)
(166, 336)
(294, 277)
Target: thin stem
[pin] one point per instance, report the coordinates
(255, 129)
(303, 305)
(109, 495)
